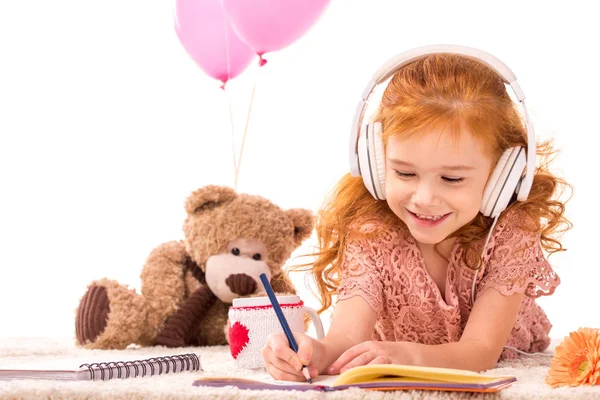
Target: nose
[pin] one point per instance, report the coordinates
(424, 195)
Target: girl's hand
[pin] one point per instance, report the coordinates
(368, 353)
(283, 363)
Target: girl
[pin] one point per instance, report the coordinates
(404, 269)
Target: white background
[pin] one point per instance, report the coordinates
(106, 126)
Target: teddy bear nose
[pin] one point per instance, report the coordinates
(241, 284)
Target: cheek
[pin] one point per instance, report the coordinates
(466, 199)
(396, 190)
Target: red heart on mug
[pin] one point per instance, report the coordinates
(238, 338)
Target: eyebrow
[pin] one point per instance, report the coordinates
(444, 167)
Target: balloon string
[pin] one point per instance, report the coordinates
(239, 162)
(235, 162)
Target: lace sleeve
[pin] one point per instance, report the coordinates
(517, 263)
(361, 271)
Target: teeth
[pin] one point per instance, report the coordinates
(431, 217)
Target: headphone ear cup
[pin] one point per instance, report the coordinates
(492, 183)
(364, 166)
(370, 162)
(378, 159)
(503, 182)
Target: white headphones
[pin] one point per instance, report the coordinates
(367, 157)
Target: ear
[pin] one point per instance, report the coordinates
(281, 283)
(208, 197)
(303, 223)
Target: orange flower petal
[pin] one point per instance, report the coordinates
(576, 360)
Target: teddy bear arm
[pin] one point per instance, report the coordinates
(176, 329)
(210, 330)
(163, 283)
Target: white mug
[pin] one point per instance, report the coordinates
(253, 319)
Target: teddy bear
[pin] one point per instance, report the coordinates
(187, 286)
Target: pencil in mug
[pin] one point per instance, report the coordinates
(282, 321)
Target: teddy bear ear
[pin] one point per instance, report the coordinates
(208, 197)
(304, 222)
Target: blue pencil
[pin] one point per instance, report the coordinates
(283, 321)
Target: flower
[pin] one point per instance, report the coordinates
(576, 360)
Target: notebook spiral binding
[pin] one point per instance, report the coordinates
(185, 362)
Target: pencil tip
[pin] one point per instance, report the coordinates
(306, 374)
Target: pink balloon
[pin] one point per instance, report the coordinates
(269, 25)
(210, 41)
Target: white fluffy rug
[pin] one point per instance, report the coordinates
(530, 372)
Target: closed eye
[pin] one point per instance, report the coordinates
(452, 180)
(404, 175)
(407, 175)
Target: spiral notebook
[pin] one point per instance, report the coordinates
(75, 369)
(377, 377)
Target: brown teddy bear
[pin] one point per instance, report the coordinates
(188, 285)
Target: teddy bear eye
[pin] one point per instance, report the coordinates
(235, 251)
(256, 256)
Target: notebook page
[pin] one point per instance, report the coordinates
(265, 381)
(372, 373)
(321, 380)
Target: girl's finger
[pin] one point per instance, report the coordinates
(305, 349)
(280, 364)
(346, 357)
(380, 360)
(362, 359)
(279, 345)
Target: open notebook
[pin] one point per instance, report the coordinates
(75, 369)
(378, 377)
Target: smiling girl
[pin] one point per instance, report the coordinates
(424, 272)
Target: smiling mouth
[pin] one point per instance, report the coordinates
(428, 217)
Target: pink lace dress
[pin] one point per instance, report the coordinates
(390, 274)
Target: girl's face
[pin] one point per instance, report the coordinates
(434, 183)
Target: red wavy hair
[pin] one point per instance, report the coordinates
(441, 91)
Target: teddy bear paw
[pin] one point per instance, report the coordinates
(92, 314)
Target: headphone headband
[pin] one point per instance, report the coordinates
(402, 59)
